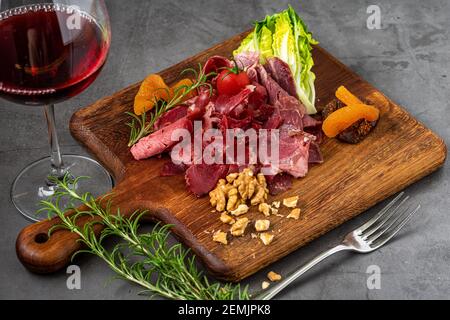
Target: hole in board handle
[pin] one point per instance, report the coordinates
(41, 238)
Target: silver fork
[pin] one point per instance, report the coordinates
(367, 238)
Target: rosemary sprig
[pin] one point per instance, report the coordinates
(140, 126)
(144, 259)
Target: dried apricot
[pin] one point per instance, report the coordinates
(152, 89)
(180, 88)
(347, 97)
(345, 117)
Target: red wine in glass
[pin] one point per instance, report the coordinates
(47, 59)
(51, 51)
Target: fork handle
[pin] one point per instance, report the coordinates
(274, 290)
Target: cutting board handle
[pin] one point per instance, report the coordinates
(43, 254)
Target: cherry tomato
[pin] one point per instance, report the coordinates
(229, 83)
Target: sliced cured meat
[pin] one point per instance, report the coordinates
(310, 122)
(274, 121)
(257, 97)
(279, 183)
(274, 90)
(245, 60)
(281, 73)
(263, 112)
(198, 108)
(202, 178)
(293, 143)
(292, 113)
(159, 141)
(315, 156)
(228, 122)
(171, 116)
(209, 118)
(216, 64)
(243, 122)
(294, 153)
(171, 169)
(226, 104)
(252, 74)
(313, 127)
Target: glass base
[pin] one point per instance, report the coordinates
(31, 185)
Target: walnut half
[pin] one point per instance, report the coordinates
(238, 228)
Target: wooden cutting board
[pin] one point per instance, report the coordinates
(353, 178)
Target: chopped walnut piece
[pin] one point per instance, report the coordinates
(238, 228)
(232, 176)
(262, 180)
(260, 195)
(240, 210)
(225, 218)
(276, 204)
(218, 196)
(262, 225)
(273, 276)
(264, 208)
(295, 214)
(265, 285)
(266, 238)
(290, 202)
(232, 199)
(274, 211)
(220, 237)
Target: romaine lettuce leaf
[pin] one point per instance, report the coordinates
(265, 43)
(285, 35)
(247, 45)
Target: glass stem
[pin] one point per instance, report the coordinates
(57, 166)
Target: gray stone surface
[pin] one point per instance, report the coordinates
(408, 59)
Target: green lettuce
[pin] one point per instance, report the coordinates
(285, 35)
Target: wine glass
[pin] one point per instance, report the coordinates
(50, 52)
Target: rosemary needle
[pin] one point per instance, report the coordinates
(144, 259)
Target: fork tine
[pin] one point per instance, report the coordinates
(369, 223)
(387, 224)
(383, 219)
(389, 234)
